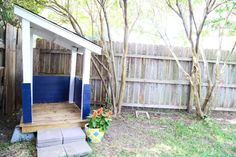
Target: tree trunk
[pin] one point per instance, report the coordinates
(197, 101)
(196, 85)
(124, 57)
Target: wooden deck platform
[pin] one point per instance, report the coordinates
(53, 115)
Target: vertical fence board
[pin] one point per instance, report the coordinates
(19, 70)
(10, 69)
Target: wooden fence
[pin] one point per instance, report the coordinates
(154, 79)
(10, 70)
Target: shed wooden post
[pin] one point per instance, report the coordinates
(27, 59)
(85, 98)
(72, 74)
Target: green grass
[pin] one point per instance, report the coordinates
(197, 139)
(181, 137)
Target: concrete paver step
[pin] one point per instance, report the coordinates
(77, 148)
(52, 151)
(41, 145)
(72, 134)
(50, 135)
(62, 142)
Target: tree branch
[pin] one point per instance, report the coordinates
(175, 57)
(101, 63)
(99, 73)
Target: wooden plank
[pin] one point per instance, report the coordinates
(184, 59)
(173, 82)
(56, 51)
(56, 112)
(51, 107)
(19, 70)
(28, 129)
(67, 117)
(175, 107)
(154, 106)
(10, 60)
(44, 117)
(36, 60)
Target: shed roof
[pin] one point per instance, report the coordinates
(54, 32)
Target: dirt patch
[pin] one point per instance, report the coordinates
(22, 149)
(224, 117)
(124, 136)
(7, 125)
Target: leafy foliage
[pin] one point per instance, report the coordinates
(100, 119)
(6, 10)
(6, 14)
(226, 15)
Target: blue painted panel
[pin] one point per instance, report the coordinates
(26, 102)
(48, 89)
(86, 101)
(77, 91)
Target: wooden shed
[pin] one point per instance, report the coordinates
(53, 101)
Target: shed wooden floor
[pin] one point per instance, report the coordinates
(53, 115)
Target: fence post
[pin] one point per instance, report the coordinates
(10, 68)
(19, 71)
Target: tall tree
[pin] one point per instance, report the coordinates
(193, 28)
(127, 29)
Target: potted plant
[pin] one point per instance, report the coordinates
(97, 125)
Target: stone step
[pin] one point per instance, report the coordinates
(50, 135)
(62, 142)
(52, 151)
(72, 135)
(53, 137)
(80, 148)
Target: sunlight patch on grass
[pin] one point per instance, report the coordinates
(200, 138)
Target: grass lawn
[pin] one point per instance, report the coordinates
(165, 134)
(168, 134)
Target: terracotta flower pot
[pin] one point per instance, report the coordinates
(94, 135)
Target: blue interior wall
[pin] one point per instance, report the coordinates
(77, 91)
(48, 89)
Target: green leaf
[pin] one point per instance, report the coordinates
(94, 124)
